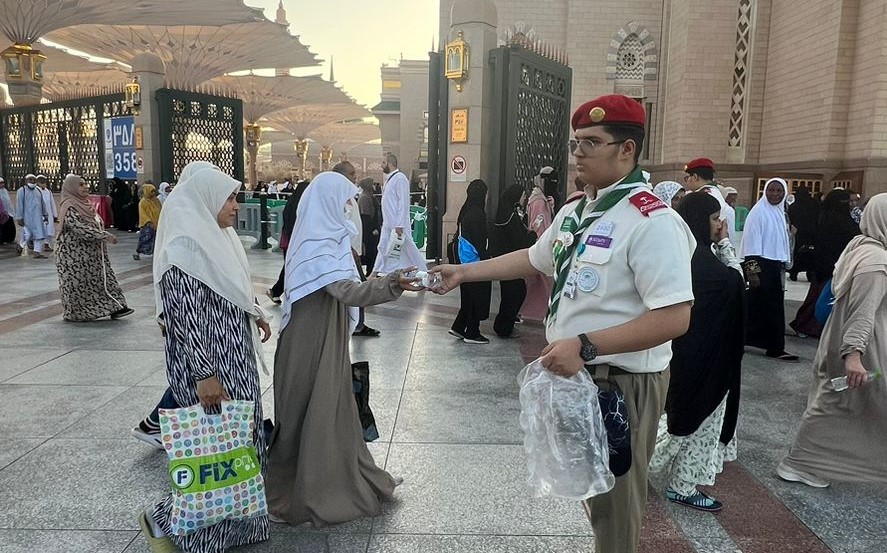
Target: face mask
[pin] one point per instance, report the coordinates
(32, 185)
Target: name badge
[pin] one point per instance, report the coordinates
(604, 228)
(599, 241)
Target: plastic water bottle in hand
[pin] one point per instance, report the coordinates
(839, 384)
(431, 281)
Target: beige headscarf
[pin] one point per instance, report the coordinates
(72, 198)
(867, 253)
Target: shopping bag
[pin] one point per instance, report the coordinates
(395, 245)
(564, 435)
(360, 385)
(213, 466)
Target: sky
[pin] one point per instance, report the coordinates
(359, 36)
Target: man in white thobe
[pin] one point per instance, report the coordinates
(52, 211)
(31, 216)
(396, 223)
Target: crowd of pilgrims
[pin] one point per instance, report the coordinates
(316, 465)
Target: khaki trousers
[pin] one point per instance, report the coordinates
(616, 516)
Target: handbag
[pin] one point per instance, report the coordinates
(360, 384)
(825, 303)
(213, 466)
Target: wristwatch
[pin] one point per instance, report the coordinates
(588, 351)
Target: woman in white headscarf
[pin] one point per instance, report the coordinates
(766, 251)
(205, 297)
(163, 191)
(670, 192)
(841, 436)
(319, 468)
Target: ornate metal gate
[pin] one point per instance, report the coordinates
(199, 127)
(532, 115)
(56, 139)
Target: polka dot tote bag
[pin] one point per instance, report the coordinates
(213, 466)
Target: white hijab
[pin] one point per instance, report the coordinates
(766, 231)
(162, 194)
(319, 252)
(667, 190)
(189, 237)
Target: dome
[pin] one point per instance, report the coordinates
(474, 11)
(148, 62)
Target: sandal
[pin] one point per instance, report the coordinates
(784, 356)
(699, 501)
(157, 545)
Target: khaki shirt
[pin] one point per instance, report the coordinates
(640, 263)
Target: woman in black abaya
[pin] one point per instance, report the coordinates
(509, 234)
(835, 230)
(475, 296)
(697, 433)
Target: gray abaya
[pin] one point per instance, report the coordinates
(842, 434)
(319, 467)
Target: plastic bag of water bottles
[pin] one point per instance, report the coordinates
(564, 435)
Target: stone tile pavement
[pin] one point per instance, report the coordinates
(73, 480)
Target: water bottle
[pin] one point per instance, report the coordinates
(839, 384)
(431, 281)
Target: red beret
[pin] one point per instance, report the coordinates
(701, 163)
(614, 109)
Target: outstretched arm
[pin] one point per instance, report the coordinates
(507, 267)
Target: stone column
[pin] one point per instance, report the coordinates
(477, 20)
(151, 71)
(253, 133)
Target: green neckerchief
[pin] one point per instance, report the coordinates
(564, 253)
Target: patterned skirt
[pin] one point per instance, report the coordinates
(694, 460)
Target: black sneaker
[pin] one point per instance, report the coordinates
(456, 334)
(479, 339)
(153, 439)
(698, 501)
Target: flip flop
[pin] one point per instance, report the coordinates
(784, 356)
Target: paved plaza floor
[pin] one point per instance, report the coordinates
(73, 480)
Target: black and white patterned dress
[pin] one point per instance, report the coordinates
(208, 335)
(87, 283)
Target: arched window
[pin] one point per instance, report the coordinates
(632, 56)
(630, 59)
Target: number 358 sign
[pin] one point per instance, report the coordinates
(121, 159)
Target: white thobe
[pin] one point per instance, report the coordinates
(52, 212)
(396, 214)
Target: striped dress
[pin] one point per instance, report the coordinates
(208, 335)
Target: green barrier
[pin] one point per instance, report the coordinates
(741, 215)
(271, 203)
(418, 218)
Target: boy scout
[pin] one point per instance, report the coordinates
(621, 263)
(699, 176)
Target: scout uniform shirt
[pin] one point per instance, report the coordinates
(635, 258)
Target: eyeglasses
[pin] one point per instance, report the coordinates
(587, 146)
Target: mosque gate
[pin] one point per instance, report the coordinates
(57, 138)
(199, 127)
(531, 114)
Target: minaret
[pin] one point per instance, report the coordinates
(332, 71)
(281, 19)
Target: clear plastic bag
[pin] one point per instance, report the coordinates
(564, 435)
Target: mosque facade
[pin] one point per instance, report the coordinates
(791, 88)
